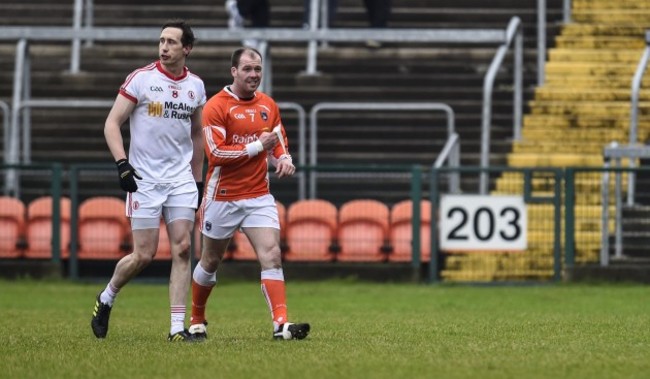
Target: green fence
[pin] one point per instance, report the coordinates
(566, 223)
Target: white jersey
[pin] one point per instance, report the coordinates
(161, 144)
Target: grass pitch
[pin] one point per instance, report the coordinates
(359, 330)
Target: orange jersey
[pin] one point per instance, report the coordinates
(229, 124)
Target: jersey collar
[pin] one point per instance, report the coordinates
(231, 93)
(170, 76)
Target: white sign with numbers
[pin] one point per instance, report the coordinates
(476, 222)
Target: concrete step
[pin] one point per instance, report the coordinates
(611, 16)
(589, 82)
(551, 147)
(593, 56)
(554, 160)
(609, 5)
(603, 69)
(550, 122)
(593, 108)
(580, 94)
(600, 134)
(570, 42)
(592, 30)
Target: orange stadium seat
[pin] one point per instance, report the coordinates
(103, 228)
(401, 231)
(243, 250)
(363, 231)
(39, 228)
(311, 230)
(12, 227)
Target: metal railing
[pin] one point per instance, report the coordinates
(313, 126)
(318, 19)
(451, 153)
(6, 112)
(514, 33)
(634, 111)
(614, 154)
(11, 179)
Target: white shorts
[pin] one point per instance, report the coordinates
(220, 219)
(150, 199)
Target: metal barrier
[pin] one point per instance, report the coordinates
(6, 112)
(634, 110)
(302, 155)
(514, 33)
(450, 152)
(318, 18)
(24, 107)
(313, 126)
(616, 153)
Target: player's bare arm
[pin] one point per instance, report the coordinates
(197, 141)
(118, 115)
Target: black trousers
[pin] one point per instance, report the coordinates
(257, 11)
(378, 12)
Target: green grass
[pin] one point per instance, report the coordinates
(359, 330)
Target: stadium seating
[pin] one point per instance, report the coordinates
(363, 231)
(39, 228)
(103, 228)
(311, 230)
(12, 227)
(401, 231)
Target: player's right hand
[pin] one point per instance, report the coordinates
(269, 140)
(127, 175)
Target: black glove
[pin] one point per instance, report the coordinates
(199, 186)
(127, 175)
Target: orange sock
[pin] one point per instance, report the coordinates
(276, 298)
(200, 296)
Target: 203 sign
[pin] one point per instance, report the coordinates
(476, 222)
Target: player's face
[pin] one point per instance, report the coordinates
(248, 75)
(170, 48)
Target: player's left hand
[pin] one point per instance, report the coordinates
(285, 168)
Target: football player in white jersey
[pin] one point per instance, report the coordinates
(163, 102)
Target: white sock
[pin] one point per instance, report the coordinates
(204, 278)
(177, 318)
(109, 294)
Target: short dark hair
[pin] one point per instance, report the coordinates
(236, 55)
(188, 35)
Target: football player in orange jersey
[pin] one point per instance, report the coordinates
(243, 133)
